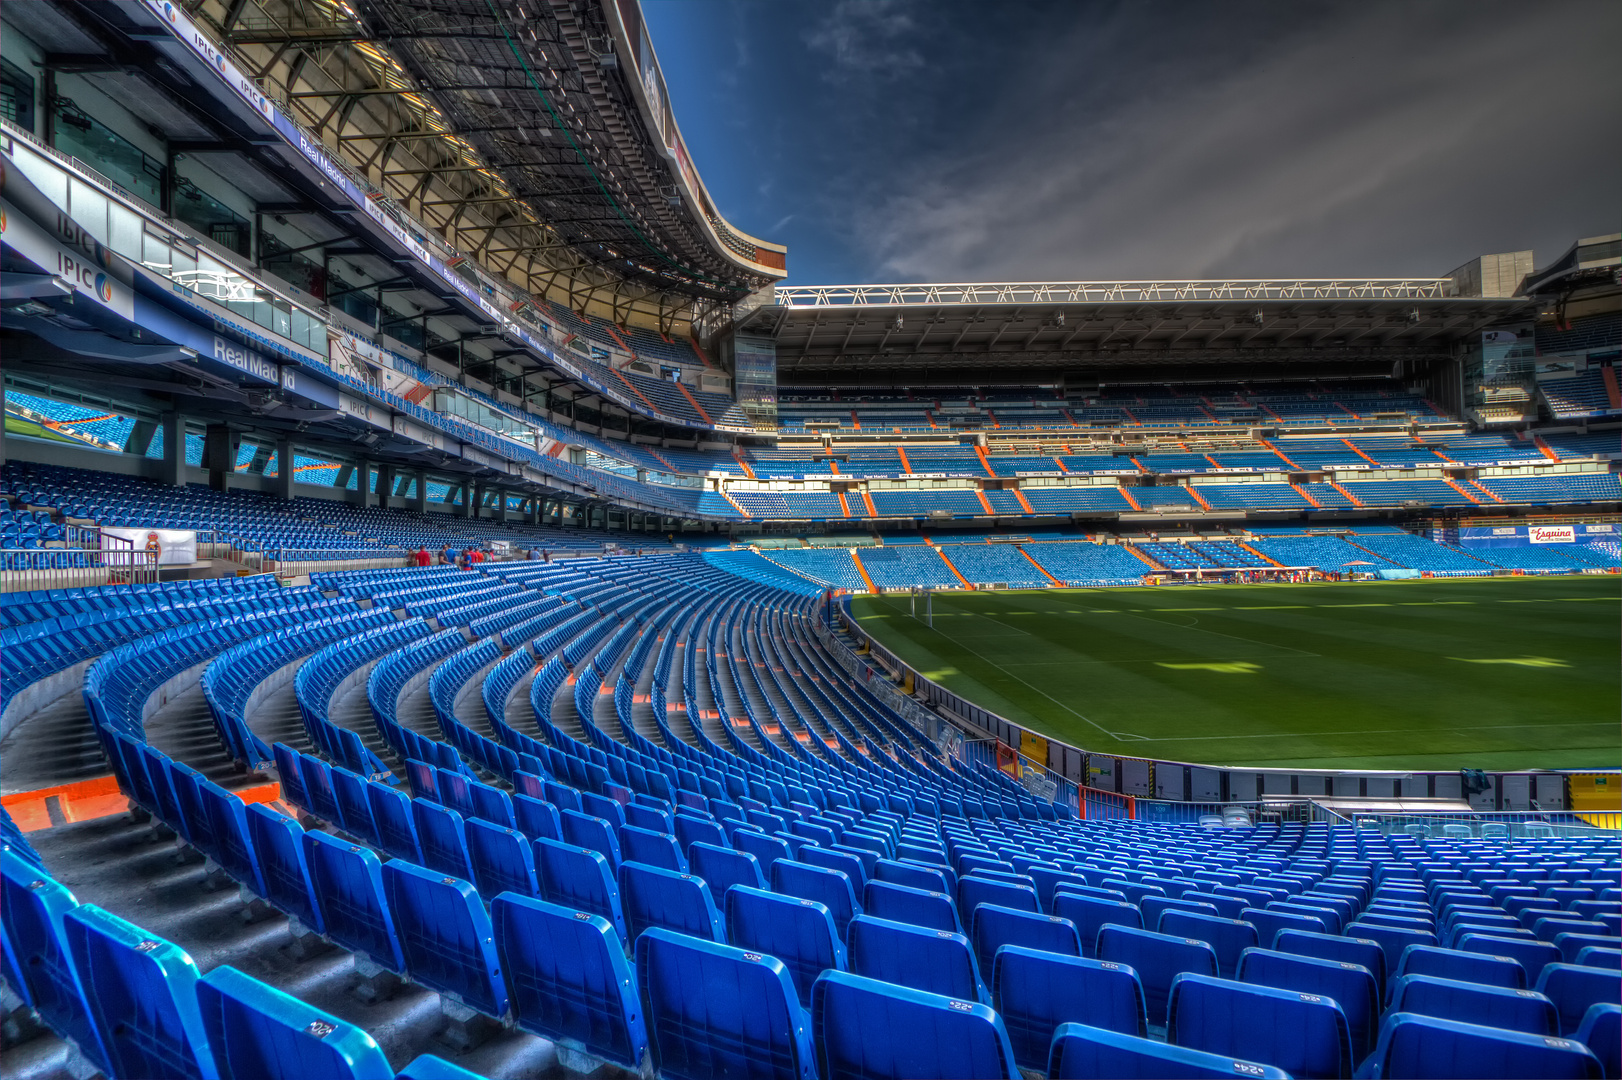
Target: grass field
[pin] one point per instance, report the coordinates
(1472, 673)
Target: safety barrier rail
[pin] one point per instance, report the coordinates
(28, 569)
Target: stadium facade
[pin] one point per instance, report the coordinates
(306, 291)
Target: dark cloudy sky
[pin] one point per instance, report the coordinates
(913, 140)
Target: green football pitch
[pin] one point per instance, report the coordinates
(1496, 673)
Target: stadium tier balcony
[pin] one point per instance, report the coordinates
(1556, 489)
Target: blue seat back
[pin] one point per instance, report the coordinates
(1351, 985)
(501, 858)
(766, 849)
(1392, 939)
(654, 896)
(715, 1010)
(32, 907)
(913, 875)
(348, 883)
(587, 831)
(569, 979)
(1080, 1052)
(1303, 1034)
(830, 888)
(256, 1032)
(1463, 966)
(798, 932)
(578, 878)
(229, 819)
(1090, 914)
(445, 936)
(652, 849)
(996, 926)
(1158, 959)
(142, 993)
(1574, 988)
(721, 868)
(317, 776)
(1601, 1032)
(866, 1028)
(1038, 991)
(354, 804)
(975, 890)
(1229, 937)
(442, 833)
(1413, 1045)
(691, 830)
(1494, 1006)
(1364, 952)
(903, 903)
(279, 843)
(391, 813)
(1271, 922)
(537, 818)
(936, 961)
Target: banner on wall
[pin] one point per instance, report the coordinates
(174, 547)
(1522, 535)
(1551, 534)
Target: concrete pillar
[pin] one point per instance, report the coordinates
(220, 445)
(285, 463)
(533, 508)
(468, 498)
(174, 450)
(140, 437)
(419, 502)
(476, 504)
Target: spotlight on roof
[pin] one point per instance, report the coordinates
(897, 324)
(1256, 316)
(1413, 317)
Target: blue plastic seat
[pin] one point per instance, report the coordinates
(537, 818)
(1472, 1003)
(996, 926)
(317, 777)
(492, 805)
(973, 891)
(722, 868)
(1531, 953)
(501, 859)
(1462, 966)
(348, 884)
(598, 834)
(142, 996)
(445, 936)
(354, 805)
(1090, 1053)
(1392, 940)
(1601, 1032)
(830, 888)
(1352, 986)
(845, 862)
(580, 879)
(443, 836)
(569, 979)
(279, 843)
(32, 907)
(1155, 906)
(1574, 988)
(691, 829)
(256, 1032)
(914, 875)
(652, 849)
(799, 932)
(1228, 937)
(1429, 1046)
(937, 961)
(715, 1010)
(1365, 952)
(1270, 922)
(902, 903)
(654, 896)
(1306, 1035)
(766, 849)
(865, 1028)
(1037, 991)
(391, 813)
(653, 818)
(1158, 959)
(1090, 914)
(228, 817)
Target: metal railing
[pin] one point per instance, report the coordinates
(1100, 292)
(1497, 825)
(29, 569)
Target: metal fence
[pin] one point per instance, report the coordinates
(120, 563)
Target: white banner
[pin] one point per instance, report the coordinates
(1552, 534)
(175, 547)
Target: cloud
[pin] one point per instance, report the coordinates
(1368, 140)
(873, 38)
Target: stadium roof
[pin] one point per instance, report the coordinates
(840, 329)
(537, 134)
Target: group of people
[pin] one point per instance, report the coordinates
(466, 557)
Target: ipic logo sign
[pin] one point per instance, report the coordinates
(85, 272)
